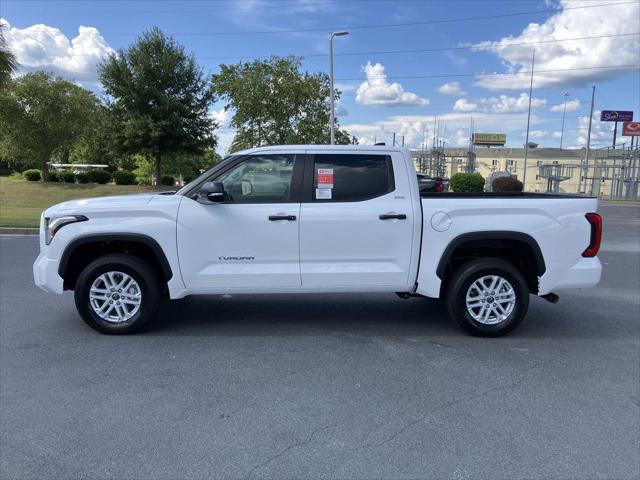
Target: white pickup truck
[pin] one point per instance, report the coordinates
(310, 218)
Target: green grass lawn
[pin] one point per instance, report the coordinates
(22, 202)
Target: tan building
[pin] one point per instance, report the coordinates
(610, 173)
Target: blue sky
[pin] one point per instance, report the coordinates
(70, 36)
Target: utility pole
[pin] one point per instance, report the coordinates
(585, 167)
(332, 93)
(435, 120)
(564, 111)
(394, 139)
(526, 142)
(402, 141)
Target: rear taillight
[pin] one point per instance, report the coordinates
(439, 186)
(596, 235)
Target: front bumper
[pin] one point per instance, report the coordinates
(45, 274)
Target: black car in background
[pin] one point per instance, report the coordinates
(432, 184)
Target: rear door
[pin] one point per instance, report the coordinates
(356, 221)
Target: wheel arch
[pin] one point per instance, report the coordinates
(83, 249)
(519, 248)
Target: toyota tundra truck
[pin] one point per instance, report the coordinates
(318, 219)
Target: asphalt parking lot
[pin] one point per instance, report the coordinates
(327, 386)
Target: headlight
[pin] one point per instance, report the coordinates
(52, 225)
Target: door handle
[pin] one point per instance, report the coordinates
(275, 218)
(390, 216)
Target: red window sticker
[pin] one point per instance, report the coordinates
(325, 178)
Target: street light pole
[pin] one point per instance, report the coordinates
(526, 142)
(332, 119)
(564, 111)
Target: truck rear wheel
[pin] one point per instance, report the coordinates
(487, 297)
(117, 294)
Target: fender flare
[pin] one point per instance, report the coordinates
(492, 235)
(115, 237)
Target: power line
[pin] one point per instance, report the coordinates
(419, 50)
(389, 25)
(439, 49)
(523, 72)
(281, 1)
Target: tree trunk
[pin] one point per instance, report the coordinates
(45, 171)
(158, 168)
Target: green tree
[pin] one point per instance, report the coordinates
(159, 99)
(42, 115)
(98, 143)
(273, 102)
(8, 62)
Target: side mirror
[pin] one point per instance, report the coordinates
(211, 192)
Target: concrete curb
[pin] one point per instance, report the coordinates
(19, 231)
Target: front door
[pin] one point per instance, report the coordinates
(251, 239)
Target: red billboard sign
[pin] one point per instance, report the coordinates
(631, 129)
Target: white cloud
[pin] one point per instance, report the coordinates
(221, 117)
(376, 90)
(463, 105)
(538, 133)
(451, 88)
(571, 106)
(501, 104)
(569, 23)
(454, 128)
(41, 47)
(345, 87)
(506, 104)
(601, 132)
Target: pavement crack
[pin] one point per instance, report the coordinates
(513, 384)
(285, 450)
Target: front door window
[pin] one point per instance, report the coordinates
(259, 179)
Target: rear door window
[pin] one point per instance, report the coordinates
(351, 178)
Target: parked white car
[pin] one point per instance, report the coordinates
(293, 219)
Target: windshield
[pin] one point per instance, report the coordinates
(187, 187)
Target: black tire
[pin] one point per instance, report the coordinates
(465, 276)
(146, 278)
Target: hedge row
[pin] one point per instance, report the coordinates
(120, 177)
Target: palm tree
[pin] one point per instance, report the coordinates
(8, 62)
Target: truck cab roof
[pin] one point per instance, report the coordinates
(328, 148)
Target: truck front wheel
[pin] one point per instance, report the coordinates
(487, 297)
(117, 293)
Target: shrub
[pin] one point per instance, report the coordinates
(143, 180)
(32, 175)
(506, 184)
(55, 176)
(99, 176)
(68, 176)
(467, 182)
(167, 181)
(124, 177)
(82, 177)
